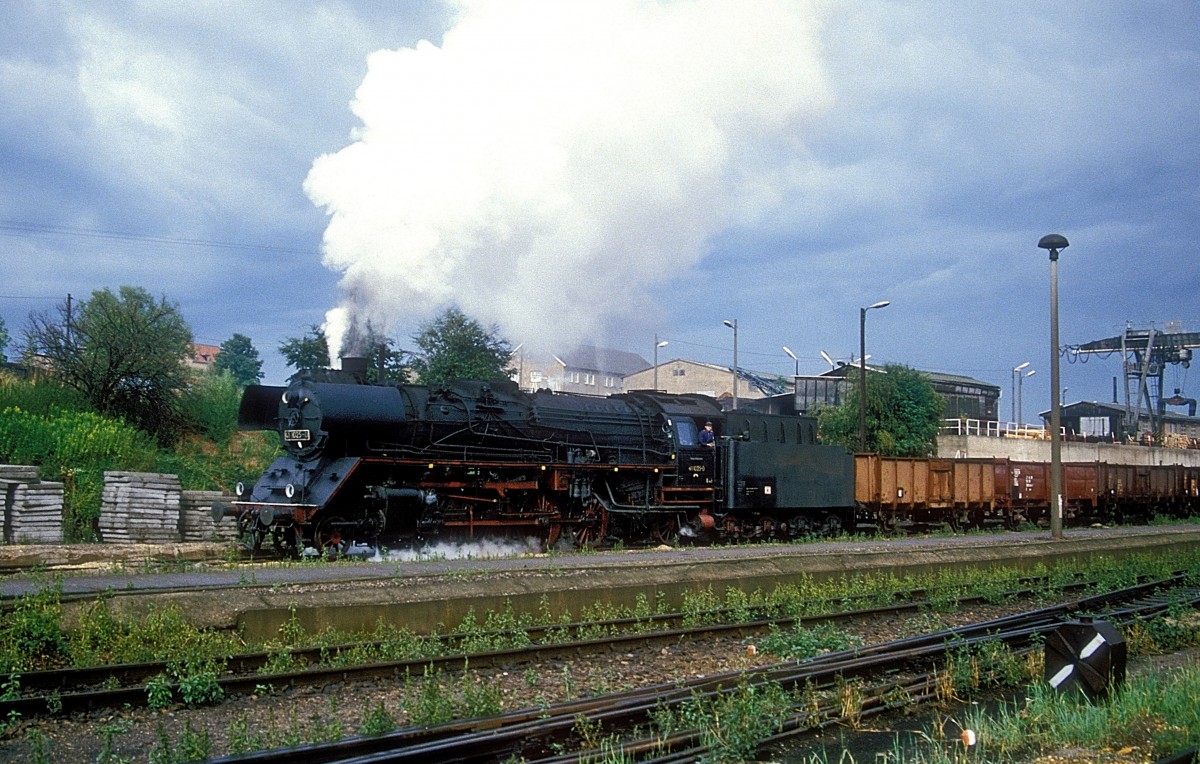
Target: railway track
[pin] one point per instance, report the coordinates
(71, 690)
(551, 735)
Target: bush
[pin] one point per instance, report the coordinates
(31, 636)
(211, 405)
(102, 638)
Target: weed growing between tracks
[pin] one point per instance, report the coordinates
(801, 642)
(734, 723)
(437, 698)
(988, 665)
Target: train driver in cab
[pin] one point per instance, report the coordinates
(706, 435)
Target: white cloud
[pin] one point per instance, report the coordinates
(550, 164)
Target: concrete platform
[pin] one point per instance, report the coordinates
(425, 595)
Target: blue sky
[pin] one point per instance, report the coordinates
(607, 171)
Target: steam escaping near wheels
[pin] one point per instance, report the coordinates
(479, 549)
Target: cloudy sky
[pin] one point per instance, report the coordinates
(611, 170)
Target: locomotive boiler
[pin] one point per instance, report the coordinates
(407, 464)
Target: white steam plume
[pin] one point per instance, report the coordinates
(553, 162)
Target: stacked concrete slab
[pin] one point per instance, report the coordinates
(32, 507)
(195, 517)
(140, 507)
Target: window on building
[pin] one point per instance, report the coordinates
(1094, 425)
(678, 372)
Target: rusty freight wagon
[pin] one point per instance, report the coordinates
(1137, 492)
(897, 493)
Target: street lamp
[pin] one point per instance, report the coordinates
(1016, 372)
(796, 376)
(1054, 242)
(1021, 394)
(862, 365)
(657, 345)
(733, 325)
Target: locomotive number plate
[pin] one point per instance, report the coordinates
(297, 436)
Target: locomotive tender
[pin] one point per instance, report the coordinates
(410, 463)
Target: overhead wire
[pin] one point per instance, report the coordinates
(16, 228)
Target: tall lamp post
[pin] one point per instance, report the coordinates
(657, 345)
(796, 376)
(1021, 393)
(1016, 373)
(733, 325)
(862, 365)
(1054, 243)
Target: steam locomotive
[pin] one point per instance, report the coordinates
(410, 464)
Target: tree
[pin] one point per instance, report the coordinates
(903, 414)
(239, 359)
(124, 352)
(310, 351)
(453, 347)
(3, 340)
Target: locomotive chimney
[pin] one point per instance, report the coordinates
(356, 366)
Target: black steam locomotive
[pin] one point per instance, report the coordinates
(397, 464)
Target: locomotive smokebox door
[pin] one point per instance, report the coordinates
(1087, 657)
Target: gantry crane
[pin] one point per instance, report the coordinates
(1145, 353)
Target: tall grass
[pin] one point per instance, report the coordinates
(203, 465)
(38, 397)
(1158, 709)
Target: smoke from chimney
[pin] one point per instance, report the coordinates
(551, 164)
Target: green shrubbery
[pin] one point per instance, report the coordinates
(210, 406)
(51, 426)
(32, 636)
(74, 447)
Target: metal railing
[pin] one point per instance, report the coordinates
(994, 429)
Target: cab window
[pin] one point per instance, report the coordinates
(685, 433)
